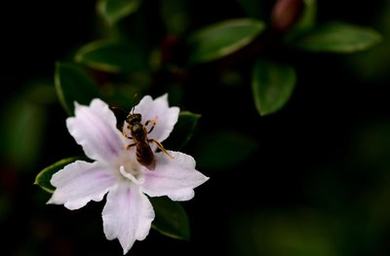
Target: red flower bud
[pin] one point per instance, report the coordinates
(285, 13)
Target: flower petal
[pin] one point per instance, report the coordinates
(159, 111)
(127, 215)
(175, 178)
(94, 128)
(80, 182)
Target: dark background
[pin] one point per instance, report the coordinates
(317, 183)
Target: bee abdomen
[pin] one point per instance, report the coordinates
(145, 155)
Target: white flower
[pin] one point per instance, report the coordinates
(128, 214)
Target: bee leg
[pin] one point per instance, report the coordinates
(161, 147)
(153, 122)
(131, 145)
(129, 137)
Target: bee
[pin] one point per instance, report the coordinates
(139, 134)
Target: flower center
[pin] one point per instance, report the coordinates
(130, 170)
(137, 180)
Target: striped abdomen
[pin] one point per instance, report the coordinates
(145, 155)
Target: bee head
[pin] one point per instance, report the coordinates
(133, 119)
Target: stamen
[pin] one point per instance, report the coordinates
(130, 176)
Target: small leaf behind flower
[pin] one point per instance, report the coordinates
(73, 85)
(223, 38)
(338, 37)
(112, 56)
(254, 8)
(224, 150)
(171, 219)
(305, 23)
(272, 85)
(44, 176)
(183, 130)
(115, 10)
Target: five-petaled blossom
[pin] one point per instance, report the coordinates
(128, 213)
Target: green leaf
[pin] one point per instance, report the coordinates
(309, 15)
(223, 38)
(22, 131)
(112, 56)
(183, 130)
(114, 10)
(272, 85)
(175, 15)
(304, 233)
(224, 150)
(305, 23)
(254, 8)
(73, 85)
(44, 176)
(338, 38)
(171, 219)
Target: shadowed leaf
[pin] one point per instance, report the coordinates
(73, 85)
(171, 219)
(224, 150)
(112, 56)
(224, 38)
(22, 131)
(183, 130)
(44, 176)
(338, 38)
(272, 85)
(114, 10)
(306, 22)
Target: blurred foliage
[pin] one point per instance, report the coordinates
(272, 85)
(23, 124)
(111, 56)
(372, 65)
(307, 178)
(114, 10)
(73, 85)
(175, 16)
(291, 233)
(224, 150)
(339, 38)
(183, 131)
(222, 39)
(171, 219)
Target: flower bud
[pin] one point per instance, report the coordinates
(285, 13)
